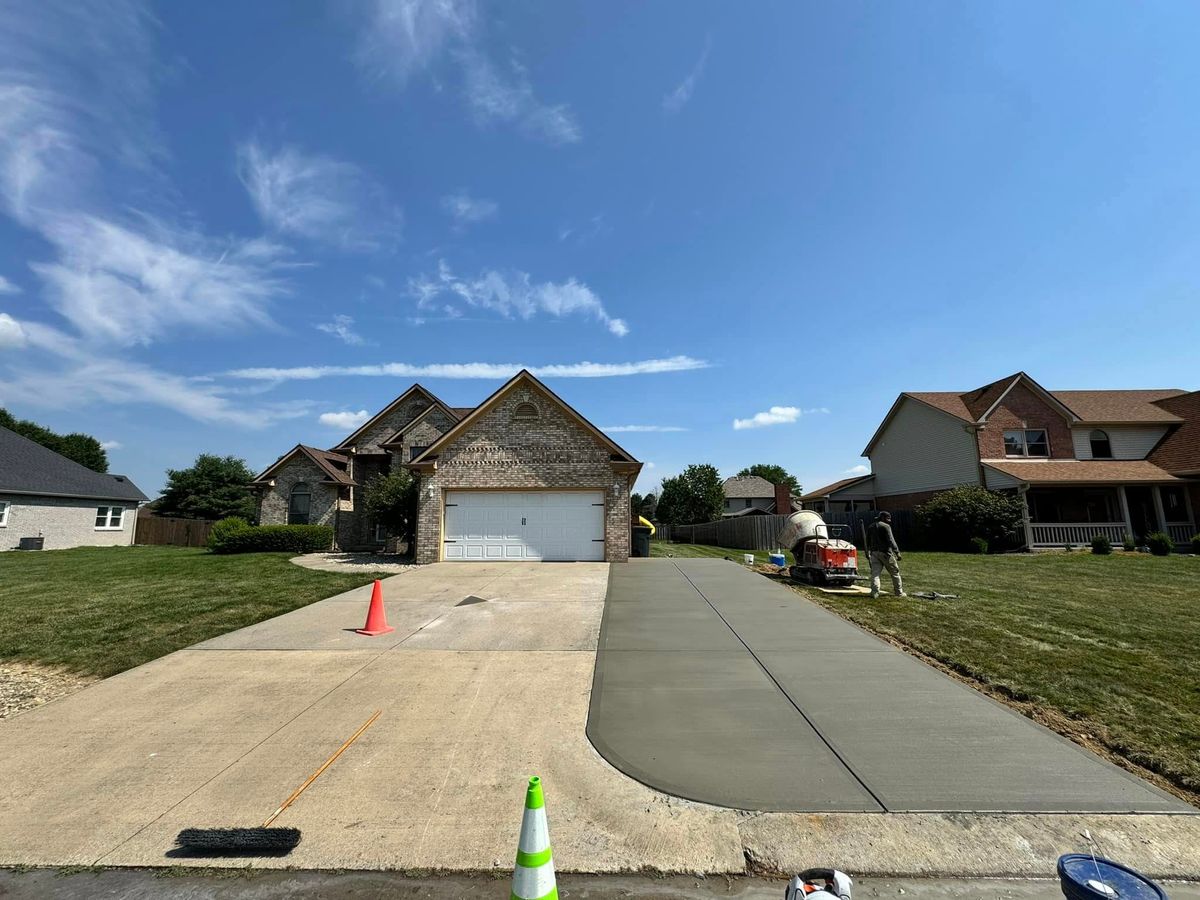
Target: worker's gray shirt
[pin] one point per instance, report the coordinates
(880, 538)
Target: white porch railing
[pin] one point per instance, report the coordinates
(1181, 533)
(1057, 534)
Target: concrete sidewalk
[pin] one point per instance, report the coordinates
(716, 684)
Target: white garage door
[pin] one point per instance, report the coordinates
(499, 525)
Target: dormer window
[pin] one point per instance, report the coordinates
(525, 412)
(1029, 442)
(1101, 445)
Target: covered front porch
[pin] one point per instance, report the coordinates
(1057, 515)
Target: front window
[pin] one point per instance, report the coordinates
(1027, 442)
(299, 503)
(380, 533)
(1101, 445)
(3, 513)
(109, 517)
(748, 502)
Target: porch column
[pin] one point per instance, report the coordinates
(1158, 508)
(1125, 511)
(1021, 492)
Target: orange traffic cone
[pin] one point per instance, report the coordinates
(376, 615)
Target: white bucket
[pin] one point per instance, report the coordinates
(748, 558)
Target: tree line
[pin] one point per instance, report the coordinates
(697, 494)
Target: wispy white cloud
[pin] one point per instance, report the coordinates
(111, 445)
(12, 335)
(492, 371)
(618, 429)
(497, 95)
(776, 415)
(399, 38)
(678, 98)
(317, 197)
(467, 210)
(7, 287)
(857, 470)
(343, 420)
(342, 327)
(512, 295)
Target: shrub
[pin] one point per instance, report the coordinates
(1129, 544)
(950, 520)
(977, 545)
(225, 527)
(277, 538)
(1160, 543)
(1196, 544)
(1101, 545)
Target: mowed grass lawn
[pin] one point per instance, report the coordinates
(101, 610)
(1107, 647)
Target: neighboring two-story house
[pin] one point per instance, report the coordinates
(753, 495)
(855, 494)
(522, 476)
(1084, 462)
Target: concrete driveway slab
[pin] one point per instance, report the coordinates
(513, 625)
(869, 720)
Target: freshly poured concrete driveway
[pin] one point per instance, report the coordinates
(715, 684)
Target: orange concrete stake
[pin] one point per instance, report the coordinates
(376, 614)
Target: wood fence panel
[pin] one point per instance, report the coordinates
(759, 532)
(171, 531)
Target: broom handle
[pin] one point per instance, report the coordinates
(329, 762)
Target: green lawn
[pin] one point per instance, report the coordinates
(100, 610)
(661, 548)
(1104, 648)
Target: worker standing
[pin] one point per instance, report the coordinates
(885, 554)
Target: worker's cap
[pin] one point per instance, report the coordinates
(886, 516)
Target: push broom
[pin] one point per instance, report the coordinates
(264, 840)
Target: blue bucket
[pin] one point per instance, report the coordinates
(777, 559)
(1085, 877)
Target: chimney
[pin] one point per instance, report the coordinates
(783, 500)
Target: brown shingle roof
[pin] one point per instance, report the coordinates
(462, 411)
(1083, 471)
(981, 399)
(1119, 406)
(752, 486)
(946, 401)
(333, 465)
(836, 486)
(1179, 451)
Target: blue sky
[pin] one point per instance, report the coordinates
(231, 227)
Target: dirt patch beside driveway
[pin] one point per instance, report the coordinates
(27, 685)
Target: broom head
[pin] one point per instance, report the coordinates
(238, 841)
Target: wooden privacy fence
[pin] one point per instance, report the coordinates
(758, 532)
(172, 531)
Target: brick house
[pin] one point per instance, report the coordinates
(522, 476)
(1085, 462)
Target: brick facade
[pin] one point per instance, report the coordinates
(588, 466)
(551, 451)
(1023, 408)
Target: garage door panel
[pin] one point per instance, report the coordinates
(524, 525)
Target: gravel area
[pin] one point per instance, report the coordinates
(26, 685)
(354, 562)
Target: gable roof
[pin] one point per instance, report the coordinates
(349, 441)
(1179, 450)
(748, 486)
(333, 465)
(26, 467)
(523, 376)
(1126, 407)
(436, 404)
(835, 487)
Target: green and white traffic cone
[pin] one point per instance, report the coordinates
(533, 877)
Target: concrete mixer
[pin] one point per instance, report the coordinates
(823, 553)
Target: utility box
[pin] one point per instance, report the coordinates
(35, 543)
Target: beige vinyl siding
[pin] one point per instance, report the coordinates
(1128, 441)
(923, 449)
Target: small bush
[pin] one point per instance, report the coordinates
(277, 538)
(1129, 544)
(1101, 545)
(1160, 543)
(978, 545)
(225, 527)
(949, 520)
(1196, 544)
